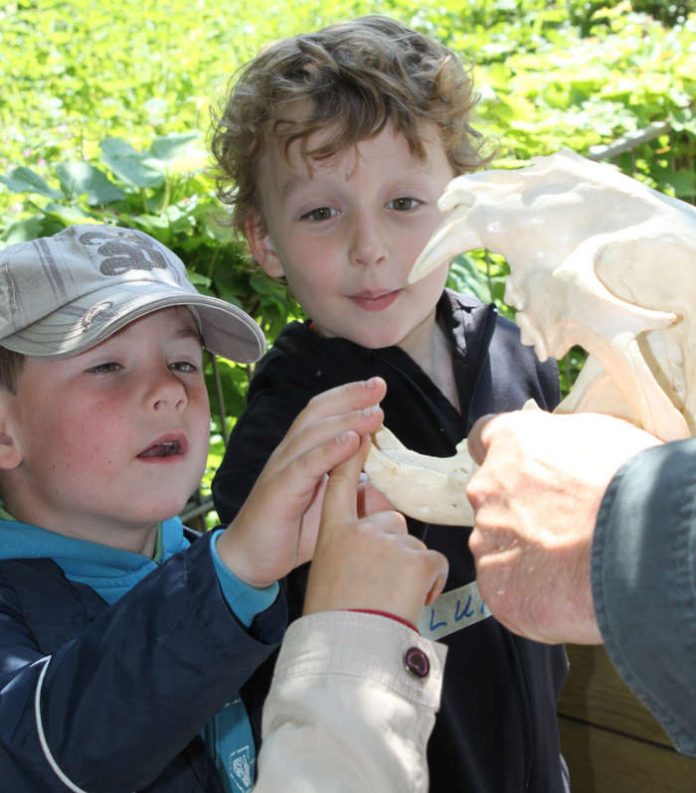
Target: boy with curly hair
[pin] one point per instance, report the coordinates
(333, 148)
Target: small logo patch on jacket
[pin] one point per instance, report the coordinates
(241, 769)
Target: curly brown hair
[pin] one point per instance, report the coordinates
(10, 366)
(349, 80)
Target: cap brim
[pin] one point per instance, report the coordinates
(227, 330)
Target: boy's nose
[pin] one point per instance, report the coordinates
(367, 242)
(167, 392)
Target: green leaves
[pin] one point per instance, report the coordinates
(105, 110)
(170, 148)
(466, 275)
(169, 154)
(135, 168)
(81, 178)
(24, 180)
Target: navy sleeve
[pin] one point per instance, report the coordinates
(644, 583)
(111, 706)
(512, 374)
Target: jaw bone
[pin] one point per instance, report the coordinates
(597, 259)
(426, 488)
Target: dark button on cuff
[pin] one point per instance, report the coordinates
(416, 662)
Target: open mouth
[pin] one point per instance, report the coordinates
(170, 447)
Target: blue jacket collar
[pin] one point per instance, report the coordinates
(109, 571)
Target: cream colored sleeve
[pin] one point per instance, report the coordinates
(351, 707)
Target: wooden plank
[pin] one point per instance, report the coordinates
(601, 761)
(595, 693)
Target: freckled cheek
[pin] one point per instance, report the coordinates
(92, 443)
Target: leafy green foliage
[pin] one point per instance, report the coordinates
(576, 72)
(105, 112)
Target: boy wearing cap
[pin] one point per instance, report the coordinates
(123, 643)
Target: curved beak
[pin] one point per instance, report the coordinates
(454, 235)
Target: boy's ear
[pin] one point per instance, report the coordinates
(10, 453)
(261, 246)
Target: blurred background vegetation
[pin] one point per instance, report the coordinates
(105, 108)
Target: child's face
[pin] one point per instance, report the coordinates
(115, 439)
(346, 233)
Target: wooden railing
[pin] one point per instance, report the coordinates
(611, 742)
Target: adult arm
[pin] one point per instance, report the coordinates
(585, 534)
(644, 583)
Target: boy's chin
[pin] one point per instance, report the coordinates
(162, 513)
(362, 337)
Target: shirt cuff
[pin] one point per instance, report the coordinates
(387, 615)
(244, 600)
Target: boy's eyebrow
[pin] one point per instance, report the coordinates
(296, 182)
(189, 332)
(290, 185)
(189, 326)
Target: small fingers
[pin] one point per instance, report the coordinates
(423, 575)
(305, 435)
(439, 571)
(390, 522)
(371, 500)
(328, 419)
(348, 398)
(340, 498)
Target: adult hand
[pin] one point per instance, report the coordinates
(369, 561)
(536, 497)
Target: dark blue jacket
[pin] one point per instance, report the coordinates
(497, 727)
(127, 687)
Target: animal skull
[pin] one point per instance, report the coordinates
(430, 489)
(597, 259)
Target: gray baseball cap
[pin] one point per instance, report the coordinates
(63, 294)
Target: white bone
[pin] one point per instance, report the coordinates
(427, 488)
(597, 259)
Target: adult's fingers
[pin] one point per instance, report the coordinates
(475, 442)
